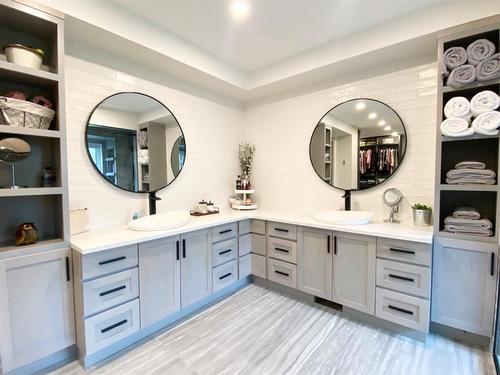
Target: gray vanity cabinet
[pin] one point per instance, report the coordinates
(159, 279)
(36, 307)
(315, 262)
(464, 283)
(354, 260)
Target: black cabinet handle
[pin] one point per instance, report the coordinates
(184, 248)
(282, 250)
(225, 231)
(402, 251)
(120, 323)
(102, 263)
(400, 310)
(225, 251)
(281, 230)
(328, 240)
(177, 252)
(492, 264)
(117, 289)
(335, 245)
(68, 277)
(282, 273)
(401, 277)
(224, 276)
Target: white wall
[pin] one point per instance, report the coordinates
(212, 134)
(283, 175)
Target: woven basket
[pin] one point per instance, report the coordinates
(15, 112)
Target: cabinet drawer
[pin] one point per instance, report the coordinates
(411, 252)
(281, 230)
(258, 265)
(111, 326)
(224, 251)
(109, 261)
(225, 275)
(401, 309)
(106, 292)
(282, 272)
(244, 266)
(252, 226)
(404, 278)
(252, 243)
(224, 232)
(282, 249)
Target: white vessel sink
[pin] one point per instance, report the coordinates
(344, 217)
(162, 221)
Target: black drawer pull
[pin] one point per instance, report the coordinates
(282, 250)
(183, 248)
(335, 245)
(68, 278)
(282, 273)
(328, 245)
(401, 278)
(281, 230)
(492, 264)
(402, 251)
(120, 323)
(225, 231)
(225, 251)
(102, 294)
(102, 263)
(400, 310)
(226, 275)
(177, 256)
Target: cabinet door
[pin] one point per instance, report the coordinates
(196, 267)
(315, 262)
(463, 287)
(159, 279)
(36, 307)
(354, 271)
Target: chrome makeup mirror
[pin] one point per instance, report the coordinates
(392, 197)
(13, 151)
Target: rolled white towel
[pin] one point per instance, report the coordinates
(458, 107)
(456, 127)
(479, 50)
(484, 101)
(487, 123)
(454, 57)
(461, 76)
(489, 69)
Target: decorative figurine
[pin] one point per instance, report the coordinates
(27, 234)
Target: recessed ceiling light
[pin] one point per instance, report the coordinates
(360, 106)
(382, 123)
(372, 115)
(387, 128)
(239, 8)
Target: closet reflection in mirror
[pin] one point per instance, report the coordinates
(135, 142)
(358, 144)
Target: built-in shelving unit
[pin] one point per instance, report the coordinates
(46, 207)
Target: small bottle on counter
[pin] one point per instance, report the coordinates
(210, 206)
(202, 207)
(238, 183)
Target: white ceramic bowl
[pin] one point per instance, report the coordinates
(24, 57)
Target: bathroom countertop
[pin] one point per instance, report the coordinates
(112, 237)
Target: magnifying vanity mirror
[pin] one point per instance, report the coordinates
(392, 197)
(13, 151)
(358, 144)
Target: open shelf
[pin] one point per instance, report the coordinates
(467, 237)
(43, 244)
(12, 72)
(471, 137)
(17, 130)
(22, 192)
(468, 187)
(476, 85)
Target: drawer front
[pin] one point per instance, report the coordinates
(281, 230)
(224, 232)
(258, 226)
(411, 252)
(258, 265)
(109, 261)
(109, 291)
(282, 272)
(282, 249)
(244, 227)
(225, 275)
(223, 252)
(111, 326)
(252, 243)
(402, 309)
(244, 266)
(404, 278)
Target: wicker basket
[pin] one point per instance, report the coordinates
(15, 112)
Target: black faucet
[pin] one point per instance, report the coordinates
(152, 202)
(347, 196)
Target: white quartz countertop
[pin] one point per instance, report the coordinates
(112, 237)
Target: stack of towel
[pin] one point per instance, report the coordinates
(470, 172)
(466, 220)
(459, 113)
(478, 62)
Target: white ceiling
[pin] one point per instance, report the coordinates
(273, 29)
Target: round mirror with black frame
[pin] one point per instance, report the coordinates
(358, 144)
(135, 142)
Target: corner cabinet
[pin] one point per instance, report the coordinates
(464, 283)
(354, 263)
(36, 307)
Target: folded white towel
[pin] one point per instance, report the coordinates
(456, 127)
(143, 156)
(454, 57)
(470, 181)
(487, 123)
(484, 101)
(462, 75)
(489, 69)
(466, 213)
(467, 164)
(480, 50)
(458, 107)
(477, 173)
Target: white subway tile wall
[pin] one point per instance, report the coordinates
(282, 172)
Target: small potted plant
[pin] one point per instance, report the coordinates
(422, 214)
